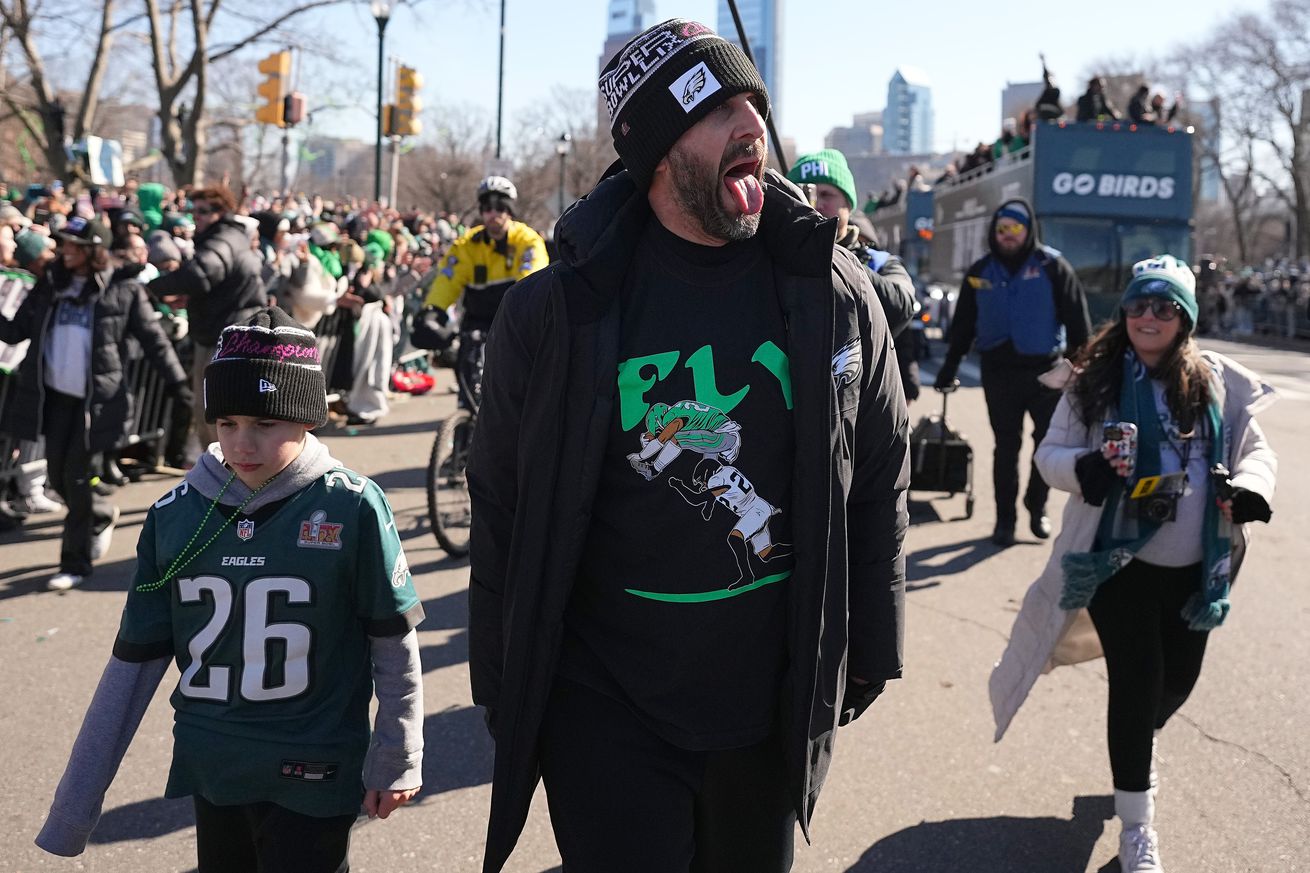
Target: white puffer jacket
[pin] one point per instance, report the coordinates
(1045, 636)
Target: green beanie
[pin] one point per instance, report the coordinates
(827, 167)
(1164, 276)
(382, 240)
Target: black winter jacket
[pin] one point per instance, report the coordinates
(223, 282)
(892, 284)
(533, 476)
(122, 309)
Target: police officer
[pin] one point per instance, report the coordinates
(1023, 305)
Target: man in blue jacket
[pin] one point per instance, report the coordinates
(1024, 308)
(688, 493)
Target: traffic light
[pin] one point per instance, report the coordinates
(277, 71)
(405, 119)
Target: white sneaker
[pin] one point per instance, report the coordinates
(1139, 850)
(64, 581)
(38, 504)
(100, 543)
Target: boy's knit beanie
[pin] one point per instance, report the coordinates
(268, 367)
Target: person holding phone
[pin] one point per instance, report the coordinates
(1144, 439)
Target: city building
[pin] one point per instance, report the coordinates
(625, 19)
(1019, 97)
(762, 21)
(863, 137)
(1204, 114)
(907, 121)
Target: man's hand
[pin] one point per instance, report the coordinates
(351, 301)
(380, 804)
(860, 695)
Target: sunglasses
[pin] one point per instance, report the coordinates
(493, 207)
(1162, 309)
(1009, 227)
(204, 210)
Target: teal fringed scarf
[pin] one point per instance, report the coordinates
(1085, 571)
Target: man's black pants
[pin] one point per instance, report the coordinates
(1011, 392)
(621, 798)
(68, 471)
(267, 838)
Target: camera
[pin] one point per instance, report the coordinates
(1155, 499)
(1158, 508)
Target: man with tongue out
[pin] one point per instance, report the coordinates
(688, 493)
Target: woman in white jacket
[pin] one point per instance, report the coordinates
(1150, 540)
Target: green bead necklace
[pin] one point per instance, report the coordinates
(187, 556)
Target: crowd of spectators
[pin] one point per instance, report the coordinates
(1145, 108)
(352, 270)
(1269, 300)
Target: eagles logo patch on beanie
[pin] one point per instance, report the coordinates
(268, 367)
(666, 79)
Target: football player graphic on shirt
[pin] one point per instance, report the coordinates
(713, 482)
(685, 425)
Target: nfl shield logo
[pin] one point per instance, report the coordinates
(245, 529)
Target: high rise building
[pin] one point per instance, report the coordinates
(626, 19)
(863, 137)
(762, 21)
(907, 120)
(1019, 97)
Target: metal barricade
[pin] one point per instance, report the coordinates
(150, 410)
(10, 462)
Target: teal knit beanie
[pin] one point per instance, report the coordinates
(1164, 276)
(827, 167)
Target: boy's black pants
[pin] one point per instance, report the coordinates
(621, 798)
(267, 838)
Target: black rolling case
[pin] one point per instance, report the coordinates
(941, 459)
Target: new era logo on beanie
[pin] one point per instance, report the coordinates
(665, 80)
(268, 367)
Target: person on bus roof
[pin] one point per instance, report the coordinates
(1023, 305)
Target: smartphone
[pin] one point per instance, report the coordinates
(1120, 437)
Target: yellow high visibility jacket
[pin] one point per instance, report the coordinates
(476, 259)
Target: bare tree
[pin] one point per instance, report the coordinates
(34, 98)
(1268, 57)
(178, 79)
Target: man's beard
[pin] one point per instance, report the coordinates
(696, 188)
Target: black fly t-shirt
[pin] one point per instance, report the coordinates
(680, 608)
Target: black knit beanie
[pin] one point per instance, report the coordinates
(665, 80)
(268, 367)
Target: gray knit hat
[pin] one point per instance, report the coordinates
(665, 80)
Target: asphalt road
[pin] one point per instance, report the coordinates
(917, 784)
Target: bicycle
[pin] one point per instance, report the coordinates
(449, 508)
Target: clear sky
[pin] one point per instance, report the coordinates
(836, 59)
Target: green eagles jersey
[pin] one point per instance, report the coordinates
(695, 416)
(270, 626)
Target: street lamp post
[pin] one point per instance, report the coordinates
(381, 10)
(563, 146)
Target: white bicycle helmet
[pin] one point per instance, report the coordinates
(497, 185)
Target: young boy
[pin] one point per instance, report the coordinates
(273, 576)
